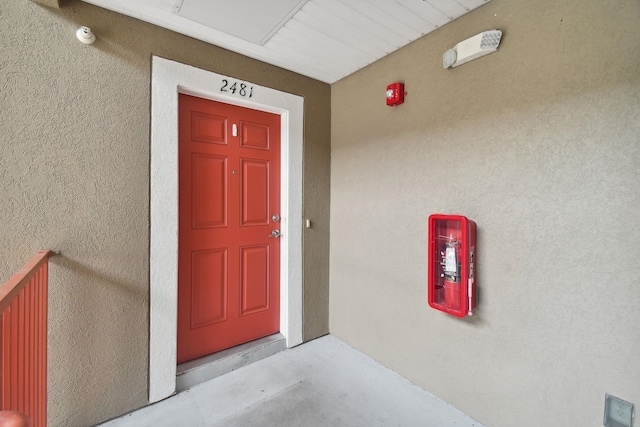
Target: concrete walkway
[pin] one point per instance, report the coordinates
(324, 382)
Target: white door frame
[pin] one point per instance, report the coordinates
(168, 78)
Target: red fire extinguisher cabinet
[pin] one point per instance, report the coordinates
(451, 264)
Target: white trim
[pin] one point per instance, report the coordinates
(168, 78)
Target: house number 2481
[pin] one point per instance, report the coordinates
(239, 88)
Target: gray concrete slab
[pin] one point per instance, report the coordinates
(324, 382)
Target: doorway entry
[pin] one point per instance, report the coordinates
(228, 227)
(168, 80)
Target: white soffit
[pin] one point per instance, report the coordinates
(251, 20)
(323, 39)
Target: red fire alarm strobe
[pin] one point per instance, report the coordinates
(395, 94)
(451, 264)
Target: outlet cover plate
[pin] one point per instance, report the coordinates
(617, 412)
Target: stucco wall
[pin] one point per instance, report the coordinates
(74, 177)
(539, 143)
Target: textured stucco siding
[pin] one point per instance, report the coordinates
(539, 143)
(74, 177)
(48, 3)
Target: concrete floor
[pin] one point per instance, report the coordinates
(324, 382)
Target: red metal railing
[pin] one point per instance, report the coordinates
(23, 340)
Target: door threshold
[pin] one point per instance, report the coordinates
(208, 367)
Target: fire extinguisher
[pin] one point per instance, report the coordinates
(451, 260)
(451, 263)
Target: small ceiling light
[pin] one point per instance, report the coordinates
(85, 35)
(472, 48)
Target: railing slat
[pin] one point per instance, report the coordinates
(6, 366)
(27, 349)
(30, 375)
(15, 353)
(45, 312)
(22, 349)
(38, 389)
(2, 371)
(35, 380)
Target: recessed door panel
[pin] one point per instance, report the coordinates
(254, 284)
(209, 190)
(208, 128)
(209, 284)
(255, 192)
(255, 136)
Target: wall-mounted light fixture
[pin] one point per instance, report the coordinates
(617, 412)
(474, 47)
(85, 35)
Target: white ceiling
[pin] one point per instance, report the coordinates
(323, 39)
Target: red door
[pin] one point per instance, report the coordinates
(228, 265)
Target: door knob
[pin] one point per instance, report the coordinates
(275, 233)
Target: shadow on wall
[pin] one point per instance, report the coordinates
(125, 288)
(91, 345)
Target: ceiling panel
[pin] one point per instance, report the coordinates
(471, 4)
(252, 20)
(448, 7)
(366, 26)
(323, 39)
(309, 40)
(390, 21)
(341, 29)
(426, 11)
(297, 60)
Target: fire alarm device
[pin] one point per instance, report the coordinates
(395, 94)
(451, 264)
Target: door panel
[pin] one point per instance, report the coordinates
(255, 135)
(209, 128)
(229, 189)
(254, 285)
(255, 192)
(209, 182)
(209, 285)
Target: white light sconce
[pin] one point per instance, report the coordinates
(85, 35)
(472, 48)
